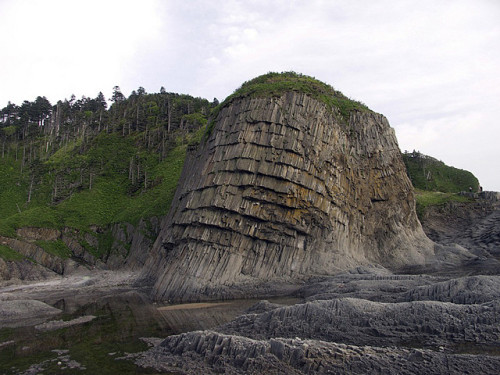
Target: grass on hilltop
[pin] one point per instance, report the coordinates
(276, 84)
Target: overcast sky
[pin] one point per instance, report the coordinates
(432, 67)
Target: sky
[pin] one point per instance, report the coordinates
(431, 67)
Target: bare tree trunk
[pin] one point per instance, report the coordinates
(163, 147)
(169, 108)
(31, 188)
(131, 175)
(137, 119)
(22, 161)
(54, 191)
(58, 119)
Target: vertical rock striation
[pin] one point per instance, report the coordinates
(286, 187)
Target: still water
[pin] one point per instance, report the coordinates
(96, 347)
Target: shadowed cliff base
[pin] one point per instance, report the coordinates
(294, 181)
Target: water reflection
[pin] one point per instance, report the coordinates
(121, 320)
(185, 318)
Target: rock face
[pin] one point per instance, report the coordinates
(127, 250)
(207, 352)
(13, 313)
(286, 188)
(428, 327)
(361, 322)
(36, 253)
(474, 225)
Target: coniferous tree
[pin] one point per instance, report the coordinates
(103, 104)
(117, 96)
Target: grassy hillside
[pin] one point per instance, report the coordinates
(429, 174)
(436, 183)
(426, 199)
(69, 193)
(89, 167)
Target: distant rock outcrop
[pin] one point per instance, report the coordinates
(474, 225)
(295, 180)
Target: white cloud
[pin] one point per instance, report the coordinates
(57, 47)
(433, 68)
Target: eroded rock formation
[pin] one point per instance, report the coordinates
(451, 332)
(127, 250)
(286, 188)
(208, 352)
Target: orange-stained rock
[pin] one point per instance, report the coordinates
(285, 189)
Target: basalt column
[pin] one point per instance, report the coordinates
(286, 188)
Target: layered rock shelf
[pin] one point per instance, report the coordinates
(426, 326)
(286, 188)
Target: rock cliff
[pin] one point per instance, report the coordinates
(127, 250)
(292, 182)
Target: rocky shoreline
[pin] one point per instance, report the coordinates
(367, 320)
(30, 304)
(214, 353)
(415, 330)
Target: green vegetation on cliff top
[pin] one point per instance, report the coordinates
(276, 84)
(427, 173)
(82, 166)
(436, 183)
(425, 199)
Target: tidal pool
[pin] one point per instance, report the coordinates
(99, 345)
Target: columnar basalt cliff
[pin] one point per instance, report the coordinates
(291, 183)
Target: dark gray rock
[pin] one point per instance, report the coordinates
(23, 270)
(464, 290)
(206, 352)
(474, 225)
(362, 322)
(281, 191)
(373, 287)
